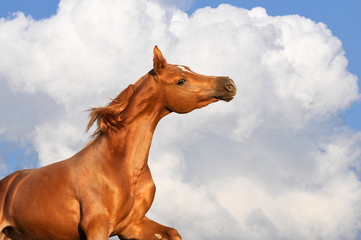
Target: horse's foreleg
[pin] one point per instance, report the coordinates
(96, 228)
(147, 229)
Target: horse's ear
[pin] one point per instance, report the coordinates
(159, 61)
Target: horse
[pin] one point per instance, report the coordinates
(106, 189)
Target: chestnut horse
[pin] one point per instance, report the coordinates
(107, 188)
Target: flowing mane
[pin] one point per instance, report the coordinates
(110, 116)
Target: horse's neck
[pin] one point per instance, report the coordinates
(129, 146)
(135, 143)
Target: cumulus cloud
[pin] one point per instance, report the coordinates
(275, 163)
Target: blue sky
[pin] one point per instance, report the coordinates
(343, 18)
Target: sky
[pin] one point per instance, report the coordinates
(281, 161)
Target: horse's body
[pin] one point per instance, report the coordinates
(106, 189)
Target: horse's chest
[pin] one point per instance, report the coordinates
(141, 199)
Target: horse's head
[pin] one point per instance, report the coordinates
(185, 90)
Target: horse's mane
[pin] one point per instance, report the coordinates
(110, 116)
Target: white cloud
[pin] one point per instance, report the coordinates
(275, 163)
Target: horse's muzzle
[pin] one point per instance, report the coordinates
(227, 89)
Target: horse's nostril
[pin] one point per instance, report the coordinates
(229, 86)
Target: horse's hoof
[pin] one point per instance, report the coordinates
(157, 235)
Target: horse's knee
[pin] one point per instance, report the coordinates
(148, 229)
(167, 233)
(173, 234)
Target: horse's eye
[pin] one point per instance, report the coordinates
(181, 82)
